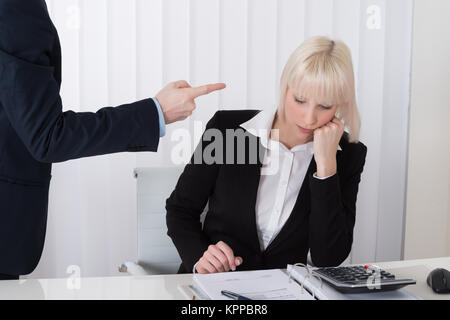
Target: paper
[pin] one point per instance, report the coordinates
(271, 284)
(326, 292)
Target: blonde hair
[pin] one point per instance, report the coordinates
(324, 68)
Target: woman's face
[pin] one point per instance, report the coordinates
(304, 115)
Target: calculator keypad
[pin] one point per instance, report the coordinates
(361, 279)
(354, 274)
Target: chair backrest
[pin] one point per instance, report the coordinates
(156, 251)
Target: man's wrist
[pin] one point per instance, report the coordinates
(162, 122)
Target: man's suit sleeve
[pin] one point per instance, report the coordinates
(187, 202)
(333, 210)
(29, 95)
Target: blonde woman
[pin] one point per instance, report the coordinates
(258, 220)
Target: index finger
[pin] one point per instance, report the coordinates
(337, 121)
(228, 252)
(205, 89)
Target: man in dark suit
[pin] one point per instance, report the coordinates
(34, 132)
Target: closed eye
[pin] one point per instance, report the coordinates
(321, 105)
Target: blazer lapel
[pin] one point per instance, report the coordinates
(301, 206)
(253, 175)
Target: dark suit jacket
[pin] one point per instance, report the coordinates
(34, 132)
(322, 219)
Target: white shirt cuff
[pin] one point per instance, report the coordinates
(195, 265)
(315, 176)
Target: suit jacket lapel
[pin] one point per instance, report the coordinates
(253, 175)
(301, 206)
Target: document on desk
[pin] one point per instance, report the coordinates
(271, 284)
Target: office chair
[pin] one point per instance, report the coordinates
(156, 252)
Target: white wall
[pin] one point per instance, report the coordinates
(428, 210)
(119, 51)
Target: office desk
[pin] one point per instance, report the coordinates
(165, 287)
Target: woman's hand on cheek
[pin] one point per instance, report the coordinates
(326, 142)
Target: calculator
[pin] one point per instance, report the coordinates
(361, 279)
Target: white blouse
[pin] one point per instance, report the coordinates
(279, 185)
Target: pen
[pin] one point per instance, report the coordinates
(233, 295)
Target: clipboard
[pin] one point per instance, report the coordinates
(272, 284)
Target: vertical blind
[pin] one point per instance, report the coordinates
(117, 51)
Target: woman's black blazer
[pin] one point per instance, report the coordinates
(321, 221)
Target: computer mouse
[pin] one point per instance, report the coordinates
(439, 280)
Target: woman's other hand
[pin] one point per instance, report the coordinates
(218, 258)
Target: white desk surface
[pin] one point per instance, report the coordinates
(165, 287)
